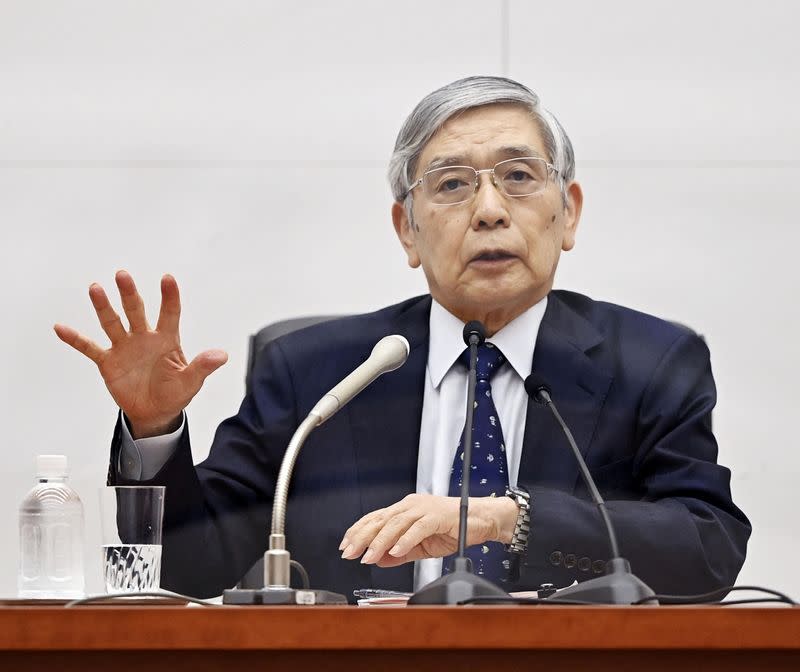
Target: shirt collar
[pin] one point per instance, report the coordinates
(517, 340)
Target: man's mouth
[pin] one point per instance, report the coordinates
(494, 255)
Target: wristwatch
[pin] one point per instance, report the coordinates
(519, 540)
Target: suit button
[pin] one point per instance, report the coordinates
(599, 566)
(556, 557)
(584, 564)
(570, 560)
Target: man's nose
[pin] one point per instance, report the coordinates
(489, 205)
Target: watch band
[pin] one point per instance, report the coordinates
(519, 540)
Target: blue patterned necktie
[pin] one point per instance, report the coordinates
(489, 472)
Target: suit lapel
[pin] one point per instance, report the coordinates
(579, 387)
(386, 426)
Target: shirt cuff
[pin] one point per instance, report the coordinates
(141, 459)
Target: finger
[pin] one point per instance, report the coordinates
(413, 536)
(366, 519)
(356, 527)
(79, 342)
(388, 561)
(205, 364)
(132, 302)
(360, 535)
(169, 317)
(416, 553)
(387, 537)
(108, 317)
(353, 531)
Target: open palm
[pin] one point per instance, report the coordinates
(145, 369)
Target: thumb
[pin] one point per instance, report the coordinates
(205, 364)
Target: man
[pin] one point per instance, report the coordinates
(485, 201)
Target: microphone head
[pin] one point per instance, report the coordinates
(474, 329)
(537, 388)
(391, 351)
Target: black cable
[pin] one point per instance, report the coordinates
(303, 574)
(755, 600)
(122, 596)
(710, 598)
(715, 596)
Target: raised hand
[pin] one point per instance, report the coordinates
(145, 369)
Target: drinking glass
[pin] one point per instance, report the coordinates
(131, 517)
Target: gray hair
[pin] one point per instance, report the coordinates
(436, 108)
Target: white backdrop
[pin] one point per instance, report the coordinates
(182, 136)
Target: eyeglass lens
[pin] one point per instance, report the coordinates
(514, 177)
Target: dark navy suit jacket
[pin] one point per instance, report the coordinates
(636, 391)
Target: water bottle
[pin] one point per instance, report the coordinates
(51, 535)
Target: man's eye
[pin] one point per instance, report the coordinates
(519, 176)
(453, 184)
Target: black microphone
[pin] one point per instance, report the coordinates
(461, 584)
(619, 585)
(474, 335)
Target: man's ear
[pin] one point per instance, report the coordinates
(406, 233)
(572, 215)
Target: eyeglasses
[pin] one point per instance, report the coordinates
(516, 178)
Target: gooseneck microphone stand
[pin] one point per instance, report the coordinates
(277, 561)
(388, 354)
(619, 585)
(461, 584)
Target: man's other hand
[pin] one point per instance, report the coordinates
(426, 526)
(145, 369)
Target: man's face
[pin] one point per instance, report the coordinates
(493, 256)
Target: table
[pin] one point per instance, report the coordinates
(146, 638)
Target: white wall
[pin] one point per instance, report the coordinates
(169, 136)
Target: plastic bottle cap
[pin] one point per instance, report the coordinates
(51, 466)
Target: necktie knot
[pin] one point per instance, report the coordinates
(490, 359)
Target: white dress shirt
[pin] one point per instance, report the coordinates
(445, 401)
(443, 410)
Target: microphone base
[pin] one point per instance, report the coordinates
(618, 586)
(269, 597)
(459, 585)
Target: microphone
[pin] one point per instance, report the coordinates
(474, 335)
(461, 584)
(619, 585)
(389, 353)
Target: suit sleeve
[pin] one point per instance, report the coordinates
(217, 514)
(681, 531)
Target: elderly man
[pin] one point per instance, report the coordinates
(485, 201)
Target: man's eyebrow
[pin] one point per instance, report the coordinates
(519, 150)
(509, 151)
(442, 161)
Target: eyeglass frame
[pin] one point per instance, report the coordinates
(550, 168)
